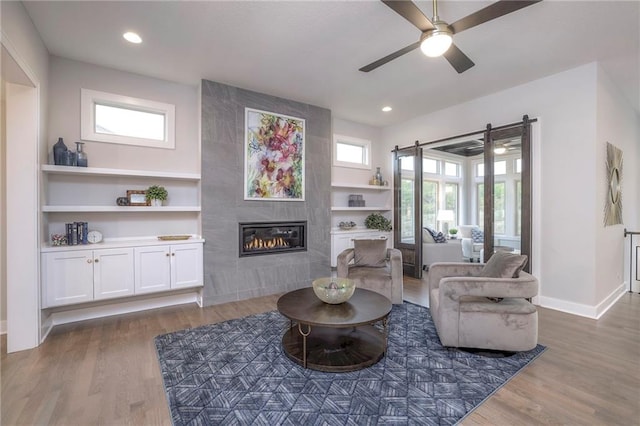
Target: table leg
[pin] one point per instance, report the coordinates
(304, 343)
(385, 321)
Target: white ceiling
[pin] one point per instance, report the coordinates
(310, 51)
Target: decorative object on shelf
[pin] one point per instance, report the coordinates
(273, 156)
(137, 197)
(156, 195)
(347, 225)
(454, 233)
(68, 158)
(356, 200)
(81, 156)
(334, 290)
(613, 202)
(76, 233)
(173, 237)
(94, 237)
(58, 240)
(377, 221)
(122, 201)
(378, 177)
(59, 150)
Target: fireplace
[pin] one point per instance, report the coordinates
(258, 238)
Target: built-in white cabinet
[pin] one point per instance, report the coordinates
(79, 276)
(166, 267)
(342, 240)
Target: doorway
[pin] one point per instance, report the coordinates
(478, 182)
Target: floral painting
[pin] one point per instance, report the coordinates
(274, 156)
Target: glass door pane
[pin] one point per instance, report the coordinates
(408, 209)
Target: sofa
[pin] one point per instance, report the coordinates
(432, 252)
(471, 250)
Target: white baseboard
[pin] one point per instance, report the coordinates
(93, 312)
(580, 309)
(3, 327)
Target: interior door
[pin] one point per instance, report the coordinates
(408, 208)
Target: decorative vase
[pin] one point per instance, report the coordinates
(81, 156)
(156, 203)
(59, 148)
(378, 176)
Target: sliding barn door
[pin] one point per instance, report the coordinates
(407, 204)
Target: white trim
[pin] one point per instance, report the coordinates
(588, 311)
(90, 98)
(99, 171)
(349, 140)
(93, 312)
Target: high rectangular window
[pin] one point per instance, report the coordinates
(107, 117)
(351, 152)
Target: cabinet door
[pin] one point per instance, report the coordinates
(112, 273)
(152, 269)
(67, 277)
(186, 265)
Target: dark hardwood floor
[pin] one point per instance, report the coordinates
(106, 372)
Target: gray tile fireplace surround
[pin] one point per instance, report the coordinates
(227, 276)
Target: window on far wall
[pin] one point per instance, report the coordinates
(429, 203)
(107, 117)
(351, 152)
(429, 165)
(451, 200)
(499, 207)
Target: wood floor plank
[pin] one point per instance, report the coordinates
(105, 371)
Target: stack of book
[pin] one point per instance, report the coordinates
(77, 233)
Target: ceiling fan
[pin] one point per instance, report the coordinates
(436, 38)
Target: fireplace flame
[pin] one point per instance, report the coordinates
(265, 244)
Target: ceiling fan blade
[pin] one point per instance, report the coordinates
(409, 11)
(493, 11)
(457, 59)
(372, 66)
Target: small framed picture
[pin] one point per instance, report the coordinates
(137, 198)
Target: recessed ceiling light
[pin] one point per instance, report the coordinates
(386, 108)
(132, 37)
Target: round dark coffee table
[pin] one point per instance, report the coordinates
(335, 338)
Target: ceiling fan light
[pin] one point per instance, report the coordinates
(436, 43)
(499, 150)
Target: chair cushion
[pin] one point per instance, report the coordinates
(426, 236)
(504, 265)
(370, 252)
(477, 235)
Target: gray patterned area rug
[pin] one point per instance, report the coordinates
(235, 373)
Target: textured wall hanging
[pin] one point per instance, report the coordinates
(274, 156)
(613, 203)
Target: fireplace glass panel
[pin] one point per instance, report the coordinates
(258, 238)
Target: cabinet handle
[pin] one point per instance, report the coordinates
(173, 254)
(97, 260)
(167, 254)
(89, 260)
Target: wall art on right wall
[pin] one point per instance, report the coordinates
(613, 202)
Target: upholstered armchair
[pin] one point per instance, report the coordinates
(373, 267)
(475, 311)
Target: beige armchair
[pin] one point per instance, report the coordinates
(472, 311)
(373, 267)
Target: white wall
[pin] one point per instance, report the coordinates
(23, 42)
(68, 77)
(564, 170)
(3, 217)
(619, 125)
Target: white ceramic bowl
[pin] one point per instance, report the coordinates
(334, 290)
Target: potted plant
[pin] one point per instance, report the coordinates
(377, 221)
(454, 233)
(156, 195)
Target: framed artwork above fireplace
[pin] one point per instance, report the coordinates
(273, 156)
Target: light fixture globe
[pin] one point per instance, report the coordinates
(437, 41)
